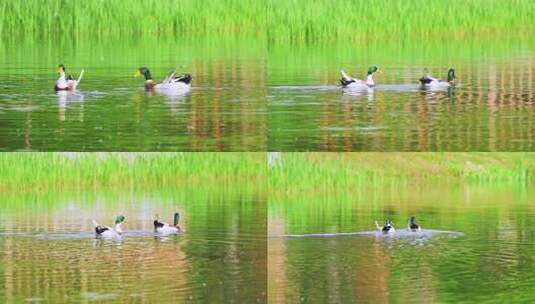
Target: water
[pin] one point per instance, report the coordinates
(490, 110)
(477, 243)
(248, 96)
(49, 253)
(225, 110)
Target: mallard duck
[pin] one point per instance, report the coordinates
(388, 227)
(66, 83)
(164, 228)
(353, 83)
(109, 232)
(171, 82)
(430, 82)
(412, 224)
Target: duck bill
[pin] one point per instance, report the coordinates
(137, 74)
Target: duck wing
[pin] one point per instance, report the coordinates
(169, 77)
(185, 78)
(61, 83)
(346, 79)
(158, 224)
(100, 229)
(427, 79)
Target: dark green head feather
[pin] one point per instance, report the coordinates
(145, 72)
(177, 218)
(119, 219)
(372, 69)
(451, 74)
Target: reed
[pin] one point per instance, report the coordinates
(137, 18)
(340, 20)
(277, 20)
(45, 171)
(315, 171)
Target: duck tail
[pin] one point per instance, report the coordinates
(346, 79)
(80, 77)
(426, 80)
(345, 76)
(186, 78)
(170, 76)
(157, 224)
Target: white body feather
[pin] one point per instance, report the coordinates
(111, 233)
(358, 84)
(63, 84)
(380, 228)
(173, 87)
(435, 83)
(167, 229)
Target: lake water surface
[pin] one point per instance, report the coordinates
(225, 110)
(489, 258)
(49, 253)
(491, 109)
(248, 96)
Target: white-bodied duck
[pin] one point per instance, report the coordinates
(388, 227)
(412, 225)
(66, 83)
(109, 232)
(349, 82)
(428, 81)
(172, 82)
(166, 229)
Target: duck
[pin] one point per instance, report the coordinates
(412, 226)
(388, 227)
(171, 82)
(430, 82)
(66, 83)
(109, 232)
(353, 83)
(166, 229)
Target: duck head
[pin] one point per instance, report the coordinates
(143, 71)
(61, 69)
(372, 70)
(369, 79)
(118, 221)
(413, 220)
(176, 219)
(451, 75)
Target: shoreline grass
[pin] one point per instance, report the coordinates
(301, 172)
(112, 18)
(353, 21)
(334, 192)
(278, 21)
(46, 171)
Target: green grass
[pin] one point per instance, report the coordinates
(139, 18)
(277, 20)
(341, 20)
(299, 172)
(46, 171)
